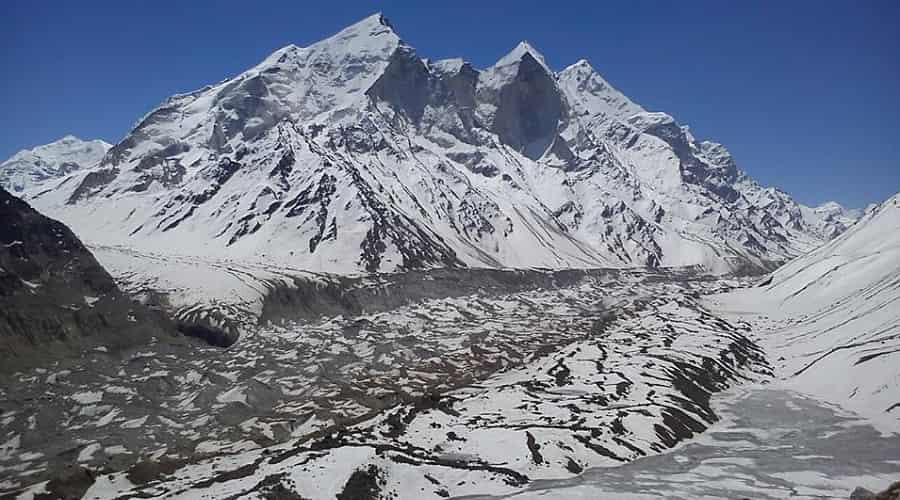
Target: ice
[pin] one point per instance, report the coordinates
(88, 397)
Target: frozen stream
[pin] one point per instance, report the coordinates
(770, 443)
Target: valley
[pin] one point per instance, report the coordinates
(596, 369)
(355, 272)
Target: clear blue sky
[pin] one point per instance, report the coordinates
(806, 94)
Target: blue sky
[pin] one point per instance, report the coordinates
(806, 94)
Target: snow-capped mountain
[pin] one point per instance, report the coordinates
(31, 168)
(833, 217)
(355, 154)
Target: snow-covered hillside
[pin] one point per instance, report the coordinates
(831, 318)
(355, 154)
(30, 169)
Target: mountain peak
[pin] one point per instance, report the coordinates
(66, 145)
(372, 37)
(519, 52)
(373, 26)
(591, 94)
(453, 65)
(383, 20)
(834, 210)
(72, 141)
(830, 206)
(330, 74)
(582, 65)
(582, 70)
(376, 20)
(31, 167)
(368, 36)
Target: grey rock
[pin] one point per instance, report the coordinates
(54, 296)
(861, 493)
(529, 109)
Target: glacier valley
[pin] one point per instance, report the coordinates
(355, 272)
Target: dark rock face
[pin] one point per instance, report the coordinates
(427, 96)
(405, 84)
(892, 493)
(53, 293)
(862, 494)
(70, 484)
(529, 110)
(364, 484)
(462, 86)
(93, 183)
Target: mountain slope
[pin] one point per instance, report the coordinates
(32, 168)
(836, 310)
(53, 294)
(356, 155)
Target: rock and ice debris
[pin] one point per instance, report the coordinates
(451, 394)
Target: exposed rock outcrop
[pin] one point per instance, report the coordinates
(54, 296)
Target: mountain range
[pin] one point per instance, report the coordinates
(355, 154)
